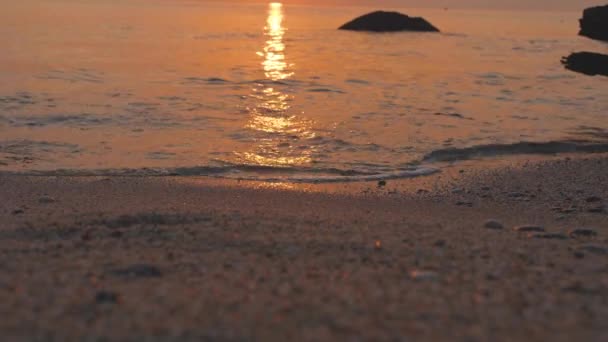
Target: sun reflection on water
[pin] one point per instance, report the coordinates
(274, 63)
(279, 132)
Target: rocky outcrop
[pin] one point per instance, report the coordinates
(594, 23)
(588, 63)
(381, 21)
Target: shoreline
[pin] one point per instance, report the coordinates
(177, 258)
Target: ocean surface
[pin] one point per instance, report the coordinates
(276, 92)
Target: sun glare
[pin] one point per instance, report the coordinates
(271, 115)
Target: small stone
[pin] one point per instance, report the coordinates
(139, 270)
(457, 191)
(45, 199)
(593, 248)
(580, 288)
(422, 275)
(485, 188)
(439, 243)
(107, 297)
(464, 204)
(116, 234)
(553, 236)
(378, 245)
(582, 232)
(381, 183)
(493, 224)
(593, 199)
(86, 236)
(516, 195)
(599, 209)
(528, 229)
(18, 211)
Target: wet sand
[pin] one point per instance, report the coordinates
(173, 258)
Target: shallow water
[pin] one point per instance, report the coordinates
(276, 92)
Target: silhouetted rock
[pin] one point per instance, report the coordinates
(381, 21)
(588, 63)
(594, 23)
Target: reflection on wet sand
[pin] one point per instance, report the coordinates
(277, 130)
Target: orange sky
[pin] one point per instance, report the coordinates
(534, 4)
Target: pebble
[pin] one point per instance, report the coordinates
(139, 270)
(529, 228)
(464, 204)
(554, 236)
(381, 183)
(564, 210)
(457, 191)
(593, 199)
(593, 248)
(106, 297)
(18, 211)
(516, 195)
(422, 275)
(493, 224)
(439, 243)
(46, 199)
(599, 209)
(116, 234)
(582, 232)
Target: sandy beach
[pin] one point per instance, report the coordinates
(190, 259)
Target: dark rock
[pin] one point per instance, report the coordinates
(464, 204)
(381, 183)
(588, 63)
(516, 195)
(381, 21)
(493, 224)
(138, 270)
(593, 199)
(594, 23)
(528, 229)
(552, 236)
(592, 248)
(579, 255)
(439, 243)
(18, 211)
(45, 199)
(581, 288)
(582, 232)
(117, 234)
(597, 210)
(566, 210)
(86, 236)
(106, 297)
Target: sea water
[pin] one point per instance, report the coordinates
(271, 91)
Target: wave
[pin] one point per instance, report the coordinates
(348, 172)
(246, 172)
(519, 148)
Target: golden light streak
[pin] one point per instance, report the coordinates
(278, 129)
